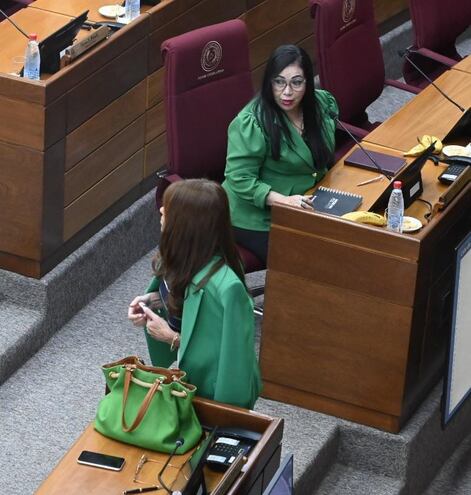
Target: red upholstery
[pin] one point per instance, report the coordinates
(436, 24)
(201, 103)
(349, 56)
(207, 82)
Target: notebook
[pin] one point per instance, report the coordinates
(389, 164)
(335, 202)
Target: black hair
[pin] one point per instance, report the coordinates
(271, 115)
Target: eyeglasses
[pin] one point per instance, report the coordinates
(297, 83)
(141, 463)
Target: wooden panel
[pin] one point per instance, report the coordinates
(204, 13)
(101, 196)
(364, 270)
(101, 162)
(110, 82)
(155, 121)
(292, 30)
(269, 14)
(167, 10)
(155, 87)
(367, 339)
(26, 123)
(18, 88)
(105, 124)
(385, 9)
(156, 155)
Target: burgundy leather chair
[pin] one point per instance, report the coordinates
(350, 61)
(436, 25)
(207, 82)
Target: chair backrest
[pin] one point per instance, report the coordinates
(207, 82)
(437, 23)
(349, 56)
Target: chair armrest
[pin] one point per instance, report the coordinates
(404, 86)
(356, 131)
(425, 52)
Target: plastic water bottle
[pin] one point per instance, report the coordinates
(132, 9)
(396, 208)
(32, 58)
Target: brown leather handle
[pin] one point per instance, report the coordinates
(145, 403)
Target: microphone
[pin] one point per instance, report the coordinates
(180, 441)
(334, 117)
(14, 24)
(405, 54)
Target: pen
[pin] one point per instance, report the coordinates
(374, 179)
(141, 490)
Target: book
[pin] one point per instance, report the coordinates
(335, 202)
(386, 163)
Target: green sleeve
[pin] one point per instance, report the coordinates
(246, 154)
(238, 377)
(329, 107)
(159, 352)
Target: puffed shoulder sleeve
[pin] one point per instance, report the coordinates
(246, 153)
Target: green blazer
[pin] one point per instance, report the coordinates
(217, 348)
(251, 172)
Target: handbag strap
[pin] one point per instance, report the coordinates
(145, 403)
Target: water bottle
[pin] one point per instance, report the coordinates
(132, 9)
(32, 58)
(396, 208)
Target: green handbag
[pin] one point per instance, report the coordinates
(148, 407)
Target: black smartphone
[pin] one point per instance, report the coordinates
(99, 460)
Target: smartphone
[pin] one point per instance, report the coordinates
(99, 460)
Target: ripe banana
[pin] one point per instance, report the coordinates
(424, 142)
(365, 217)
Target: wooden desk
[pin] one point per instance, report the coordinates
(427, 113)
(464, 65)
(74, 8)
(71, 478)
(362, 314)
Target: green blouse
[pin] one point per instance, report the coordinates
(251, 172)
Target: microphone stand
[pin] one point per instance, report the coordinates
(14, 24)
(373, 161)
(178, 443)
(405, 54)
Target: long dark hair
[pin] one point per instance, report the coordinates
(271, 115)
(197, 227)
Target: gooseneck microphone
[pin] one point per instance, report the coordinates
(373, 161)
(405, 54)
(7, 17)
(179, 442)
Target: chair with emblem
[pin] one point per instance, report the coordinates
(350, 61)
(435, 32)
(207, 82)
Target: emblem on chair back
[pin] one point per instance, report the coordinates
(348, 10)
(211, 56)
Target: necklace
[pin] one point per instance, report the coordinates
(299, 127)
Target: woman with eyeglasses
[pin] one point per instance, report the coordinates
(279, 146)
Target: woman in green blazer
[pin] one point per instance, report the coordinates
(197, 310)
(279, 146)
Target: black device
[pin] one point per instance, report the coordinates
(282, 482)
(51, 47)
(104, 461)
(190, 479)
(451, 173)
(228, 444)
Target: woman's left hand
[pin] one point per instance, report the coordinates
(306, 202)
(158, 328)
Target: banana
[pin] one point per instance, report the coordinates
(365, 217)
(424, 142)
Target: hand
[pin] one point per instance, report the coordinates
(298, 200)
(157, 327)
(135, 312)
